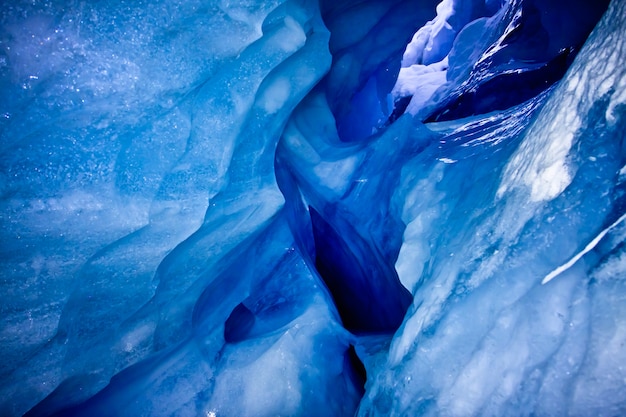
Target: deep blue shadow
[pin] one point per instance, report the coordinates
(366, 290)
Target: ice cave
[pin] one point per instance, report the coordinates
(312, 208)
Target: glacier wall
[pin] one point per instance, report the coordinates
(310, 208)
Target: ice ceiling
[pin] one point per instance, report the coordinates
(303, 208)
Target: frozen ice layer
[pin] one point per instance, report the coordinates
(312, 208)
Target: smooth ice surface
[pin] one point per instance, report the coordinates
(314, 208)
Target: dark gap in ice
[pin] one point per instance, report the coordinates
(505, 90)
(354, 368)
(399, 107)
(367, 292)
(238, 324)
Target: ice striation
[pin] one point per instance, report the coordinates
(313, 208)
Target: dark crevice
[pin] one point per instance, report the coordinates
(365, 289)
(238, 324)
(505, 90)
(354, 369)
(399, 107)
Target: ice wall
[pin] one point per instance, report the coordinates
(240, 208)
(514, 252)
(139, 149)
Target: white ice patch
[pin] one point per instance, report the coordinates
(420, 81)
(549, 182)
(420, 213)
(276, 383)
(618, 98)
(622, 174)
(336, 175)
(426, 40)
(415, 250)
(137, 337)
(292, 36)
(540, 163)
(412, 77)
(275, 96)
(425, 62)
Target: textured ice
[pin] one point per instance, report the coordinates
(328, 208)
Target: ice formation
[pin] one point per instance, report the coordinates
(313, 208)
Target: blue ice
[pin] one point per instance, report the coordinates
(313, 208)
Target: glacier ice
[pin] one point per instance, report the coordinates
(295, 207)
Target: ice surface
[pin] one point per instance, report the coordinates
(309, 208)
(483, 336)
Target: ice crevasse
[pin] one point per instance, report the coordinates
(313, 208)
